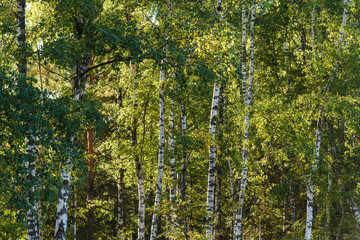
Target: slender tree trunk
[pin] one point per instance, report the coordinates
(292, 203)
(212, 165)
(30, 163)
(74, 225)
(210, 199)
(222, 147)
(356, 210)
(137, 162)
(120, 217)
(63, 199)
(248, 96)
(184, 166)
(154, 223)
(121, 183)
(310, 187)
(91, 173)
(172, 163)
(318, 135)
(32, 233)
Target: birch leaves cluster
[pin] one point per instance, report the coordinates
(179, 119)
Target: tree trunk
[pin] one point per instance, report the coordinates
(318, 135)
(184, 166)
(137, 162)
(210, 199)
(63, 199)
(248, 96)
(120, 217)
(310, 187)
(212, 165)
(154, 223)
(30, 163)
(91, 173)
(172, 163)
(121, 183)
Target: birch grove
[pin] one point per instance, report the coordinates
(179, 119)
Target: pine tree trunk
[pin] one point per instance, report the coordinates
(154, 223)
(248, 96)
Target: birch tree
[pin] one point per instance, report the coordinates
(318, 134)
(154, 223)
(210, 199)
(30, 163)
(248, 96)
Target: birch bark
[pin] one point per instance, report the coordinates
(63, 199)
(318, 134)
(184, 166)
(172, 162)
(154, 223)
(31, 153)
(212, 165)
(210, 199)
(137, 162)
(248, 97)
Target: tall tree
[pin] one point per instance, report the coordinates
(248, 96)
(30, 162)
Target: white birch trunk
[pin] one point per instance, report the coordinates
(184, 166)
(141, 193)
(63, 199)
(212, 165)
(318, 135)
(154, 223)
(310, 187)
(210, 199)
(30, 163)
(137, 162)
(172, 162)
(120, 204)
(248, 96)
(74, 225)
(32, 233)
(356, 210)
